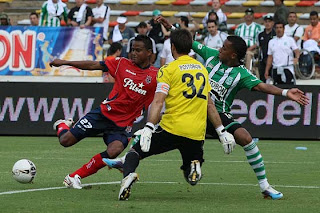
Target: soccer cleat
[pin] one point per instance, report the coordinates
(195, 172)
(72, 182)
(270, 192)
(126, 184)
(116, 163)
(69, 122)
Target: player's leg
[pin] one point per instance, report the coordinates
(254, 157)
(116, 143)
(88, 125)
(118, 162)
(160, 142)
(192, 157)
(92, 124)
(62, 127)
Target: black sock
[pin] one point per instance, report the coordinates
(131, 163)
(62, 132)
(104, 154)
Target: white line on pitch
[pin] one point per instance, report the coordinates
(153, 182)
(239, 161)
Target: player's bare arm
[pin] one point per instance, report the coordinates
(213, 114)
(156, 107)
(226, 139)
(85, 65)
(294, 94)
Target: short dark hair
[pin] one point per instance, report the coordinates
(34, 13)
(212, 12)
(182, 40)
(212, 21)
(239, 46)
(291, 12)
(114, 47)
(314, 13)
(279, 22)
(142, 25)
(185, 20)
(146, 41)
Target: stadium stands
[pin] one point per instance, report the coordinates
(141, 10)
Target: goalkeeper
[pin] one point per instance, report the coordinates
(228, 76)
(183, 86)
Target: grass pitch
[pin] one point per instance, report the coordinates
(228, 184)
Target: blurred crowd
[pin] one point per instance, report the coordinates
(283, 28)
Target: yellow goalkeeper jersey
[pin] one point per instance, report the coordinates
(185, 81)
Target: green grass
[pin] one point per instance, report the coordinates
(228, 184)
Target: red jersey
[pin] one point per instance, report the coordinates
(133, 91)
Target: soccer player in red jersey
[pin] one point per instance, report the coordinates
(133, 91)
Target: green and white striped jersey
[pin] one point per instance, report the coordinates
(52, 20)
(249, 33)
(225, 81)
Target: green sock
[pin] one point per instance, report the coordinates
(256, 161)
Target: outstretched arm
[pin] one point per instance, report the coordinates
(293, 94)
(84, 65)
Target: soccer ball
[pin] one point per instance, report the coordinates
(24, 171)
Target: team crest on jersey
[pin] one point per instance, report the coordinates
(148, 79)
(229, 80)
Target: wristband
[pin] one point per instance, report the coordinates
(150, 126)
(220, 129)
(285, 92)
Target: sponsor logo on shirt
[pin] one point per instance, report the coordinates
(128, 82)
(217, 89)
(189, 67)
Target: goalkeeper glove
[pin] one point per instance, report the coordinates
(226, 139)
(145, 136)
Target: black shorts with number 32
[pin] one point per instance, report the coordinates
(163, 141)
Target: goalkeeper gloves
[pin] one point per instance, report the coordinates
(226, 139)
(145, 136)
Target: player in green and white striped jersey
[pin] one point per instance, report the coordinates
(249, 31)
(227, 77)
(52, 12)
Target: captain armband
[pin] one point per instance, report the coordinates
(163, 87)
